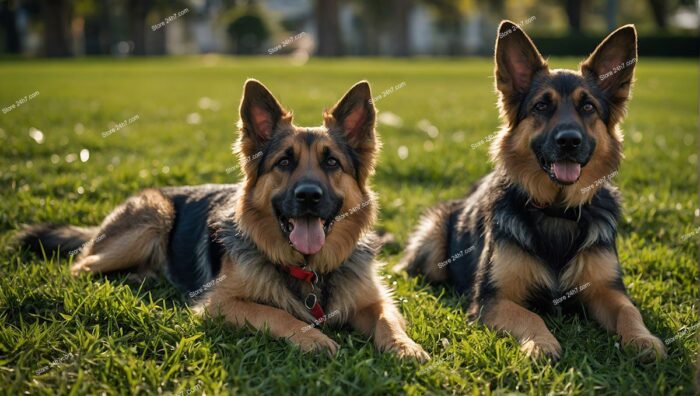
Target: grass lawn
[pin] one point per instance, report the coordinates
(90, 335)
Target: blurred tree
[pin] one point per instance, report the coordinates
(573, 13)
(97, 26)
(659, 11)
(247, 28)
(328, 28)
(103, 19)
(610, 14)
(157, 38)
(401, 26)
(497, 6)
(137, 11)
(102, 24)
(8, 24)
(161, 9)
(56, 15)
(378, 17)
(449, 20)
(374, 18)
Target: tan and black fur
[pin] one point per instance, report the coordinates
(242, 236)
(539, 231)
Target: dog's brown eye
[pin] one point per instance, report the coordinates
(541, 106)
(283, 163)
(331, 162)
(588, 108)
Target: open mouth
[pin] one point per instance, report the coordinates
(563, 172)
(307, 234)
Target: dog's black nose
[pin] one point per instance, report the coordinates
(568, 139)
(308, 193)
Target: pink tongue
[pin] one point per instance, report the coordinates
(307, 236)
(567, 172)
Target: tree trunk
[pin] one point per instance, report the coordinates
(137, 10)
(573, 12)
(93, 33)
(56, 16)
(402, 33)
(610, 13)
(328, 29)
(455, 38)
(659, 11)
(157, 39)
(106, 26)
(8, 20)
(371, 38)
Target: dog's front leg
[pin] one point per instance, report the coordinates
(515, 273)
(280, 323)
(615, 311)
(383, 321)
(526, 326)
(602, 293)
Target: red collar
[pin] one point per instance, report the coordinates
(311, 301)
(302, 274)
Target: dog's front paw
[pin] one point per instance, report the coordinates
(78, 268)
(648, 346)
(313, 340)
(85, 264)
(406, 348)
(538, 348)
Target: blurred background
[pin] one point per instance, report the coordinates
(305, 28)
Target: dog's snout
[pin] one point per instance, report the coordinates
(568, 139)
(308, 193)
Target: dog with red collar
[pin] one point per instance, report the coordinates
(290, 246)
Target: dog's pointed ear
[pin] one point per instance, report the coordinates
(260, 112)
(352, 120)
(517, 60)
(354, 115)
(612, 63)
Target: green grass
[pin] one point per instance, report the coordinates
(109, 336)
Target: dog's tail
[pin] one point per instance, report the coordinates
(428, 245)
(66, 239)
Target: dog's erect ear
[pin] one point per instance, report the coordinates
(352, 120)
(260, 112)
(612, 63)
(517, 61)
(354, 115)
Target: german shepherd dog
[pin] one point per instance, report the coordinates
(539, 231)
(287, 249)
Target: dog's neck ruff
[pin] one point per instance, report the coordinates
(556, 210)
(311, 300)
